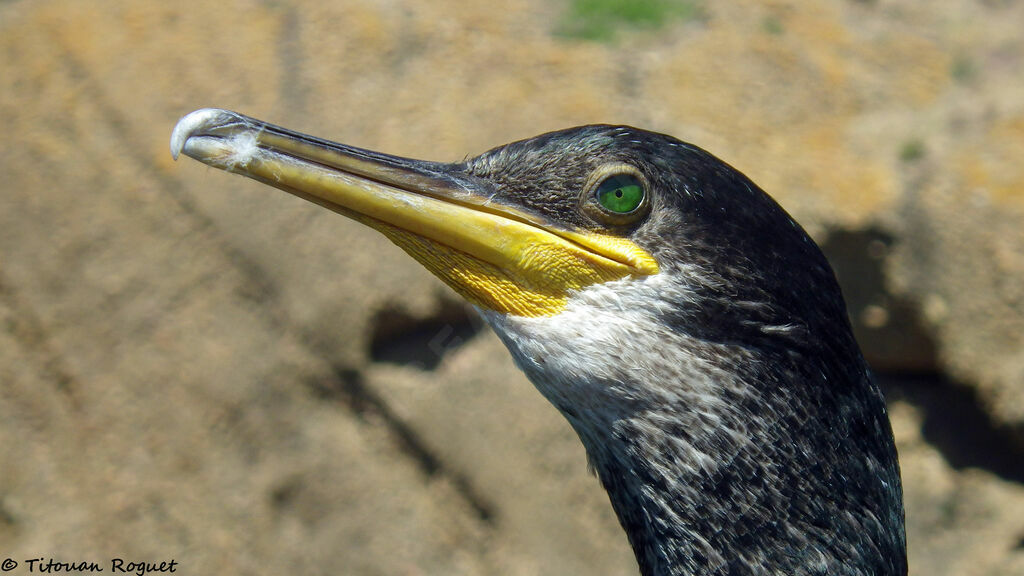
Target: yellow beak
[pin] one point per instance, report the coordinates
(496, 256)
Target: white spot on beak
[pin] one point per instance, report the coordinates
(244, 148)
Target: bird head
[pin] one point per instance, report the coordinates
(520, 229)
(598, 222)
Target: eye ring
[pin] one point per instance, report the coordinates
(616, 194)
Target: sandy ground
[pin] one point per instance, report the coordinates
(193, 367)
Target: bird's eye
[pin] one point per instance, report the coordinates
(620, 194)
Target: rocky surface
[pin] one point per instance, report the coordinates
(198, 368)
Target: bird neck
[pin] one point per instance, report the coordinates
(758, 487)
(745, 456)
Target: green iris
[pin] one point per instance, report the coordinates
(620, 194)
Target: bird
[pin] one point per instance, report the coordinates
(689, 330)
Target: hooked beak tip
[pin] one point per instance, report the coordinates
(197, 123)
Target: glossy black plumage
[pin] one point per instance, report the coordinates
(817, 491)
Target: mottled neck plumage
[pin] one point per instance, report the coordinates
(722, 457)
(762, 483)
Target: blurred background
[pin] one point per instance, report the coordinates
(199, 368)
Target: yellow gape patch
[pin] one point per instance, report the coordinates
(538, 284)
